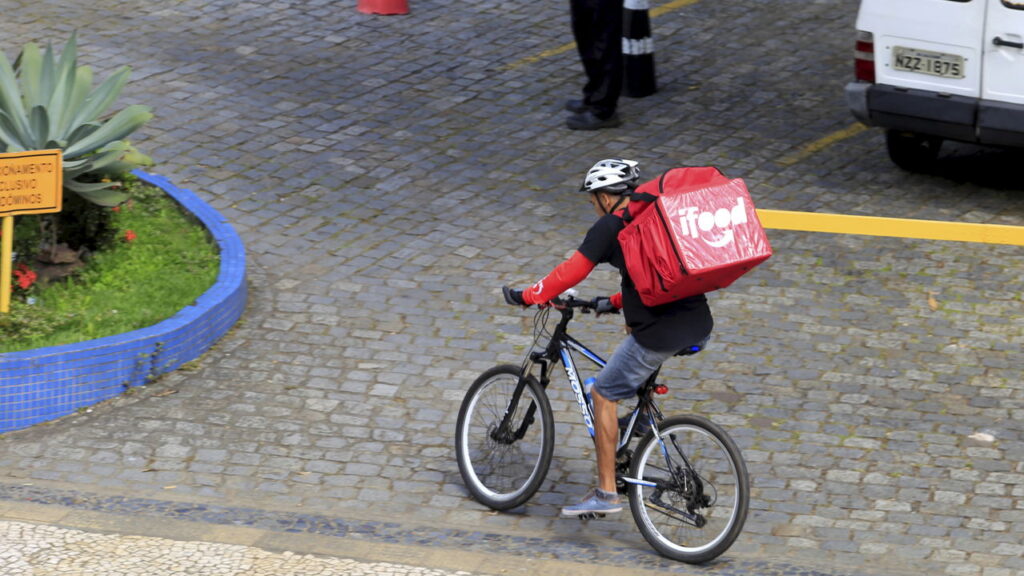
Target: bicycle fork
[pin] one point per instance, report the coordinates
(504, 434)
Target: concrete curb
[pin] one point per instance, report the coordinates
(47, 383)
(435, 546)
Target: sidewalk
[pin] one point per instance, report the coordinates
(54, 523)
(29, 549)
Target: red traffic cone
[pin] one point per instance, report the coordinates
(383, 6)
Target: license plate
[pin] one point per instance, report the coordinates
(928, 62)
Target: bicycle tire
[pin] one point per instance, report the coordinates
(503, 474)
(718, 463)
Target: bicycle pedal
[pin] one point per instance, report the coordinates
(590, 516)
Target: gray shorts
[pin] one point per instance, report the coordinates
(628, 369)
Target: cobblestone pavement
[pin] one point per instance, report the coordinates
(388, 174)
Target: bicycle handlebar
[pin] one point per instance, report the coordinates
(571, 301)
(565, 300)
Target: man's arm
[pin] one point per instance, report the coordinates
(564, 276)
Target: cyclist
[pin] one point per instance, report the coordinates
(654, 334)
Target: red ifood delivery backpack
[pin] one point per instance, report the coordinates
(691, 231)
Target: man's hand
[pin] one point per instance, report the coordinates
(604, 306)
(513, 297)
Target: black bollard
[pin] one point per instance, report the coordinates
(637, 50)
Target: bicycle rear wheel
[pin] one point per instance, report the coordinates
(699, 505)
(503, 461)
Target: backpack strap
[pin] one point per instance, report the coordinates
(644, 196)
(647, 197)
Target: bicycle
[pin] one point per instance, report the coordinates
(686, 481)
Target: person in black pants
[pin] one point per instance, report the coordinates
(597, 27)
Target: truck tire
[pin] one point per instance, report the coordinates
(912, 152)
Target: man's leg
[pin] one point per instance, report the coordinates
(597, 28)
(606, 429)
(603, 500)
(625, 371)
(585, 32)
(607, 50)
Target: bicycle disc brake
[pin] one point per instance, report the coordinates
(501, 434)
(693, 491)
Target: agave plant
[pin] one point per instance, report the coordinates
(48, 102)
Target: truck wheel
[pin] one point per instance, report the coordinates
(910, 151)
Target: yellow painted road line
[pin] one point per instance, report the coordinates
(545, 54)
(822, 143)
(670, 6)
(654, 13)
(893, 227)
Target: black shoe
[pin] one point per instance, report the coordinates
(589, 121)
(576, 106)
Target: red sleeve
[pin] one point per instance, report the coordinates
(564, 276)
(616, 300)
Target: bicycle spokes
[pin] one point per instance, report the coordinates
(689, 489)
(504, 437)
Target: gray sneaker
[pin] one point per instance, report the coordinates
(595, 502)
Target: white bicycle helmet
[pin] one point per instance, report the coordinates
(614, 176)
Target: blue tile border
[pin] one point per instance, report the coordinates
(47, 383)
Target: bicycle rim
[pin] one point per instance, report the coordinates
(660, 513)
(503, 474)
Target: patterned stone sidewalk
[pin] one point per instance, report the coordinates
(30, 549)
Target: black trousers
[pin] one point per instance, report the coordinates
(597, 27)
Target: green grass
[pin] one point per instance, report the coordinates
(126, 286)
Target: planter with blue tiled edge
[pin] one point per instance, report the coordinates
(47, 383)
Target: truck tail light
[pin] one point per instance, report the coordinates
(864, 57)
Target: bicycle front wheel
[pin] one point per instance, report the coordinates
(504, 439)
(697, 504)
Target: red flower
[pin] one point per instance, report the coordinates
(116, 209)
(25, 277)
(129, 236)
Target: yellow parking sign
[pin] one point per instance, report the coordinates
(30, 183)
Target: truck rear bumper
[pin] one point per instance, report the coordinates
(961, 118)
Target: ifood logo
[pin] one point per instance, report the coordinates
(694, 222)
